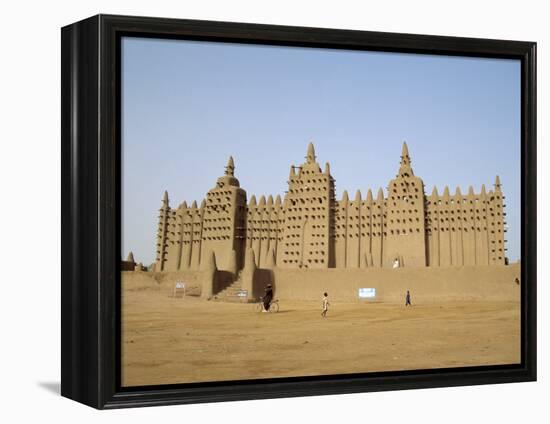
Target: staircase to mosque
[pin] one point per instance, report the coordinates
(232, 293)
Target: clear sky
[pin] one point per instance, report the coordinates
(187, 106)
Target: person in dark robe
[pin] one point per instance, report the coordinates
(268, 297)
(408, 299)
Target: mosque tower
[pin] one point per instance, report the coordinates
(224, 222)
(405, 230)
(308, 212)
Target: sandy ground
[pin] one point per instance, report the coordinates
(180, 340)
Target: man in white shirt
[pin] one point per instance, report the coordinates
(325, 306)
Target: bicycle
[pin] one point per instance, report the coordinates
(273, 306)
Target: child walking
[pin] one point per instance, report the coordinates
(325, 306)
(408, 299)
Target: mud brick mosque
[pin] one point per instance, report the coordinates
(310, 229)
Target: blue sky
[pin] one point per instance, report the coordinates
(187, 106)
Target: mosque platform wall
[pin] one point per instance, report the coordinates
(162, 281)
(427, 285)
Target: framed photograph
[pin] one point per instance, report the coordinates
(254, 211)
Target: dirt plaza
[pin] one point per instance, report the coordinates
(167, 340)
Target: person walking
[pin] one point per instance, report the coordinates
(408, 299)
(325, 305)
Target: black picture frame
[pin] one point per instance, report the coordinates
(91, 222)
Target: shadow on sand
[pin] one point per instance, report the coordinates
(51, 386)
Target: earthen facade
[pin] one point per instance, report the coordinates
(310, 228)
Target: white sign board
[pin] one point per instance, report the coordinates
(367, 293)
(180, 285)
(242, 293)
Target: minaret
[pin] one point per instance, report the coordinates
(310, 158)
(497, 184)
(225, 224)
(230, 167)
(405, 164)
(308, 209)
(406, 229)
